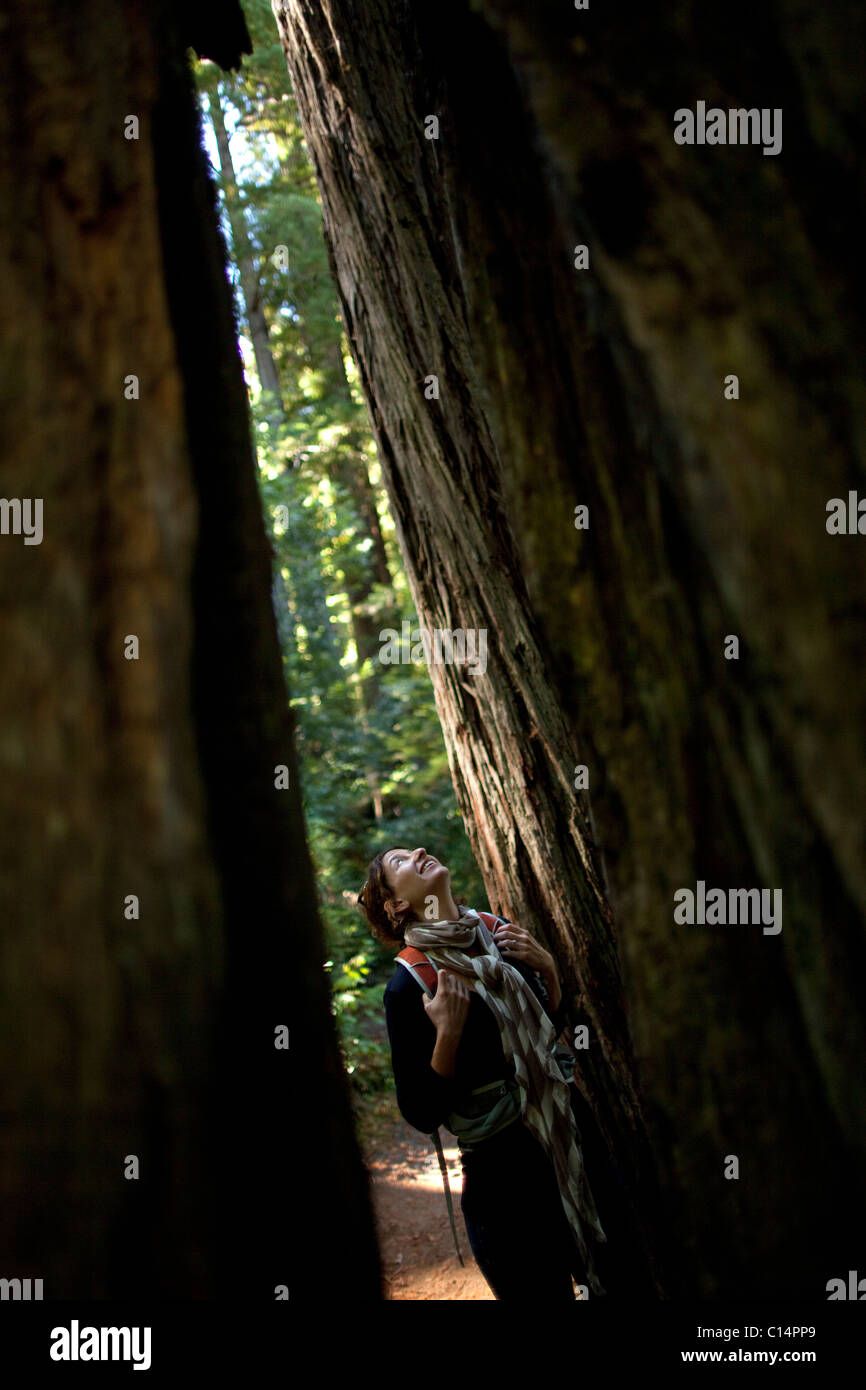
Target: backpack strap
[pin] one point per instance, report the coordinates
(444, 1171)
(420, 967)
(490, 920)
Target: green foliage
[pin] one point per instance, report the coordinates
(368, 737)
(362, 1034)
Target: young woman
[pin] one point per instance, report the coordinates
(495, 1016)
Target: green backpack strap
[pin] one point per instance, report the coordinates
(444, 1171)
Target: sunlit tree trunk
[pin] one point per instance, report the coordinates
(257, 324)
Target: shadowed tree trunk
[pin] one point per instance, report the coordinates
(156, 893)
(602, 384)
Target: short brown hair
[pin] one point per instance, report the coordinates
(372, 899)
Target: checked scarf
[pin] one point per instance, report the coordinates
(528, 1039)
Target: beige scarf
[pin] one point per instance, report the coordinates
(528, 1039)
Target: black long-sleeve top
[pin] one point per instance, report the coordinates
(424, 1097)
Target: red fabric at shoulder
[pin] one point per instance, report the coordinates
(489, 920)
(417, 959)
(412, 956)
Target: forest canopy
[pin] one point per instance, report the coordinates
(373, 763)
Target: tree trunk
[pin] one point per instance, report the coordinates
(257, 324)
(605, 386)
(356, 478)
(147, 1035)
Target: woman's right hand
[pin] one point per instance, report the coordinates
(449, 1006)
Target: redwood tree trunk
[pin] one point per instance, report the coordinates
(604, 386)
(146, 1035)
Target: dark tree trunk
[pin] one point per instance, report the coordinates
(150, 1036)
(605, 387)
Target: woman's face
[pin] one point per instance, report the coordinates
(415, 876)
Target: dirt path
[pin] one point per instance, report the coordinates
(418, 1256)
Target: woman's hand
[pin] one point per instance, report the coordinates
(449, 1006)
(515, 941)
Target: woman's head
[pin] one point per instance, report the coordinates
(398, 891)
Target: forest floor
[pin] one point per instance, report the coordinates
(418, 1256)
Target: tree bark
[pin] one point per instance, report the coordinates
(455, 257)
(148, 1036)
